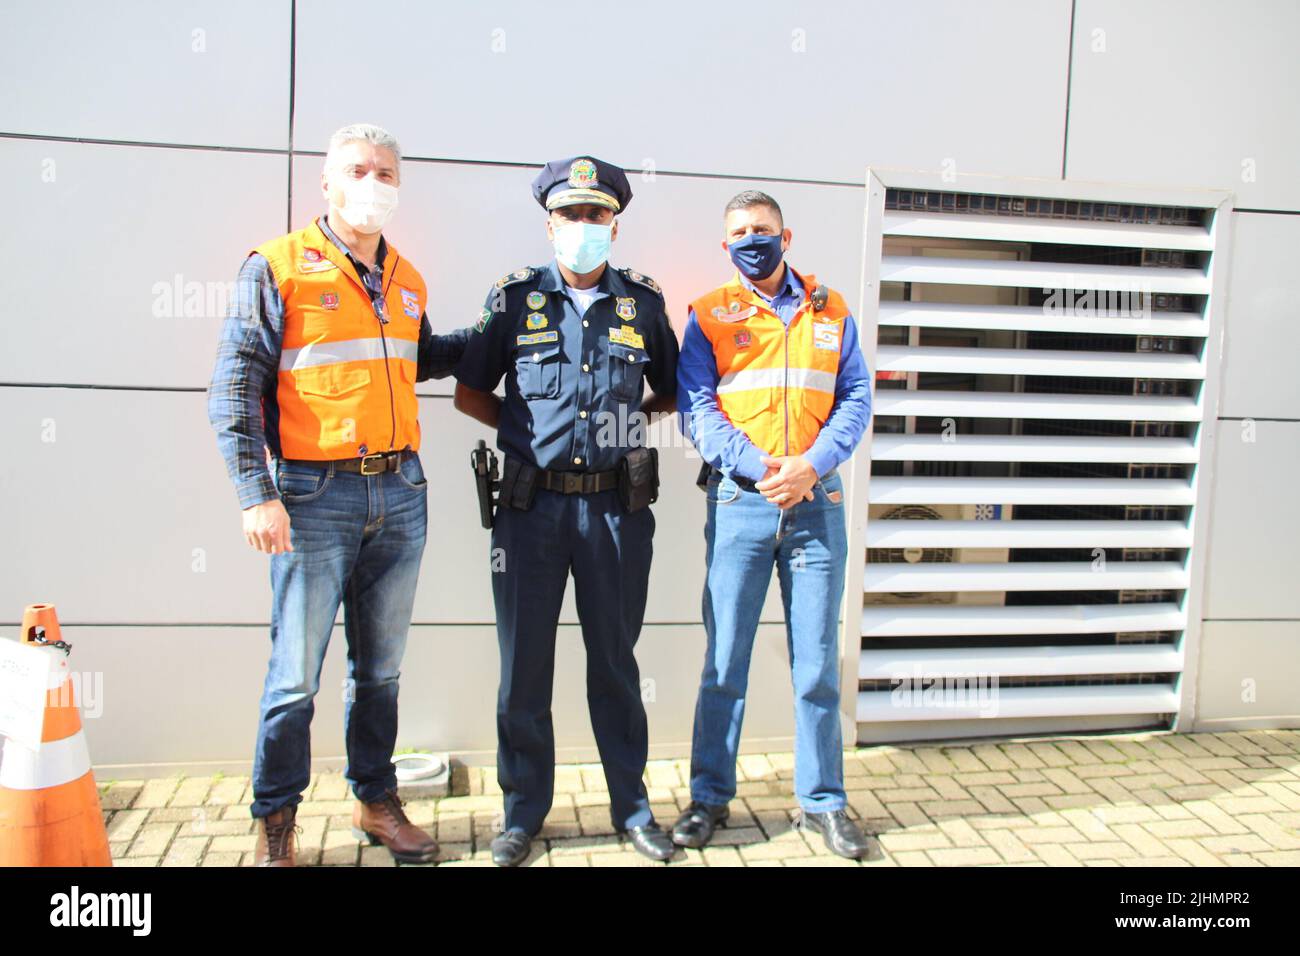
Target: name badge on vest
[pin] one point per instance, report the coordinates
(826, 336)
(735, 314)
(313, 261)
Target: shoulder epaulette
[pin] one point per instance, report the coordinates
(519, 275)
(639, 279)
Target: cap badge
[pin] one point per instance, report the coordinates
(582, 174)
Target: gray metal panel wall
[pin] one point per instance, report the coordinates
(877, 82)
(104, 520)
(155, 71)
(1188, 93)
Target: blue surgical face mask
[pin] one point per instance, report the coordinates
(582, 246)
(756, 256)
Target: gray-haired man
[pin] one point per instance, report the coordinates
(318, 363)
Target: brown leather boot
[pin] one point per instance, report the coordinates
(276, 839)
(385, 822)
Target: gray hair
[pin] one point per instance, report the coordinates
(365, 132)
(752, 197)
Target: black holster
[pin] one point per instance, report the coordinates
(638, 478)
(518, 485)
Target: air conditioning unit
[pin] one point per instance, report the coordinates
(942, 512)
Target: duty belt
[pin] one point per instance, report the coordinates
(375, 464)
(577, 482)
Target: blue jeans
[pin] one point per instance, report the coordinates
(357, 540)
(745, 535)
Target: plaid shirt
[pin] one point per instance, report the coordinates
(242, 404)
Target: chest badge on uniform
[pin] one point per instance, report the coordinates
(742, 339)
(410, 303)
(536, 337)
(535, 320)
(626, 335)
(329, 300)
(536, 300)
(626, 309)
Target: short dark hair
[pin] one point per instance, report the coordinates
(752, 197)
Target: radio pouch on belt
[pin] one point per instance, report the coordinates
(638, 478)
(518, 484)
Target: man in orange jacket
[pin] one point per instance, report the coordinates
(776, 395)
(318, 362)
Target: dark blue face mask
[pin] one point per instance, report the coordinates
(756, 256)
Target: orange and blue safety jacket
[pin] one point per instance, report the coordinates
(760, 376)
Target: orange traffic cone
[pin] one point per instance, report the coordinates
(49, 805)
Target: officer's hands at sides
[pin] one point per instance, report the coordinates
(789, 480)
(266, 527)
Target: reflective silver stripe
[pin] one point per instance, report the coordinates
(349, 350)
(813, 379)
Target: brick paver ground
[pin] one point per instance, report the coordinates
(1151, 799)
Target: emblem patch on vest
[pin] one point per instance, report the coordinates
(742, 339)
(410, 303)
(536, 300)
(826, 336)
(329, 300)
(735, 315)
(535, 320)
(314, 261)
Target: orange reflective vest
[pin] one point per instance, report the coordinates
(346, 380)
(776, 382)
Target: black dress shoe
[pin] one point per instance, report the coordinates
(511, 848)
(694, 828)
(651, 840)
(843, 837)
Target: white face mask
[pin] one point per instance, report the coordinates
(368, 204)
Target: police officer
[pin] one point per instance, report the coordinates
(576, 341)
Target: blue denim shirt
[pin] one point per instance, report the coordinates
(242, 405)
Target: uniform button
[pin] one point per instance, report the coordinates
(585, 323)
(537, 356)
(582, 414)
(586, 367)
(577, 461)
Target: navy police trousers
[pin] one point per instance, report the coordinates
(533, 552)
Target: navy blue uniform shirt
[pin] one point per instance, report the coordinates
(574, 382)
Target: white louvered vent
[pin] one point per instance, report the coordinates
(1025, 532)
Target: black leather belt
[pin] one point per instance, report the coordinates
(375, 464)
(576, 482)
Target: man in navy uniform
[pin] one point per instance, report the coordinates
(576, 341)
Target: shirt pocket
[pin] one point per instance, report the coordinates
(331, 380)
(538, 373)
(626, 368)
